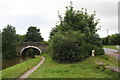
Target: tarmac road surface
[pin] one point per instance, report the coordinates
(112, 52)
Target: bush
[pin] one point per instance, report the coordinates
(66, 48)
(71, 46)
(99, 51)
(88, 47)
(74, 37)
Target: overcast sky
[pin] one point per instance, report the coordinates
(43, 14)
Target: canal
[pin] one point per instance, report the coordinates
(27, 54)
(14, 61)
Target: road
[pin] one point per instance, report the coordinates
(112, 51)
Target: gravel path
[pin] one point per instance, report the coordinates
(26, 74)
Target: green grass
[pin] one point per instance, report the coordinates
(17, 70)
(85, 69)
(110, 46)
(108, 60)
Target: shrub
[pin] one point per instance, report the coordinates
(71, 46)
(67, 48)
(99, 51)
(74, 37)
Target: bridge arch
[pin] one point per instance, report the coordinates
(30, 47)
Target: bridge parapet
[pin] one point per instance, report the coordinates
(28, 44)
(31, 44)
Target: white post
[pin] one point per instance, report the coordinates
(93, 52)
(118, 49)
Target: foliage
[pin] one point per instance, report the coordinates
(66, 47)
(20, 38)
(76, 20)
(45, 43)
(108, 71)
(99, 51)
(105, 41)
(75, 36)
(33, 34)
(111, 40)
(53, 31)
(30, 52)
(9, 42)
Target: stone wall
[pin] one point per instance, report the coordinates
(36, 44)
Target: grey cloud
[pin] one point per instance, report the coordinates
(106, 9)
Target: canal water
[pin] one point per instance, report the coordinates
(14, 61)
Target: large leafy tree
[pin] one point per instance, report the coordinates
(65, 36)
(77, 20)
(9, 42)
(33, 35)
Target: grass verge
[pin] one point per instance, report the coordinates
(110, 46)
(19, 69)
(85, 69)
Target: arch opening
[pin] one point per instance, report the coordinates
(30, 50)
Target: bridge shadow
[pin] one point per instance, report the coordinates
(30, 51)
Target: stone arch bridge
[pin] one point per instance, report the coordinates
(36, 45)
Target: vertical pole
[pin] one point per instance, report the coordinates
(108, 37)
(107, 32)
(119, 24)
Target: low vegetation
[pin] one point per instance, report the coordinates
(110, 46)
(85, 69)
(17, 70)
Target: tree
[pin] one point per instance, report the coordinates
(20, 38)
(67, 35)
(111, 40)
(77, 20)
(9, 42)
(33, 34)
(53, 31)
